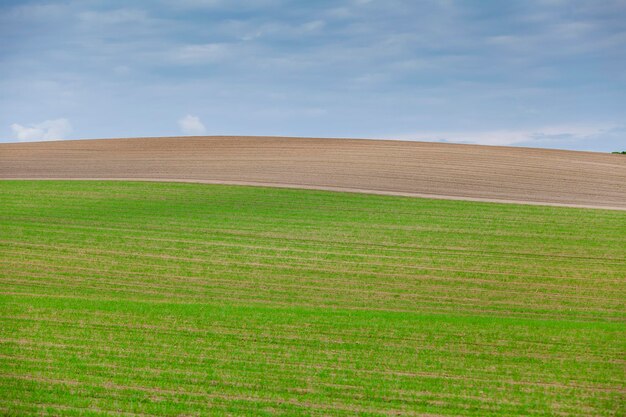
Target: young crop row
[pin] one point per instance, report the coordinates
(177, 299)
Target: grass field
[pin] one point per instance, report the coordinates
(136, 299)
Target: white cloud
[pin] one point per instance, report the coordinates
(506, 137)
(222, 4)
(113, 17)
(210, 52)
(49, 130)
(191, 125)
(314, 25)
(36, 12)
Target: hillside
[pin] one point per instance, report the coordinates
(164, 299)
(489, 173)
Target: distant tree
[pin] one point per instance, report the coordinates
(620, 153)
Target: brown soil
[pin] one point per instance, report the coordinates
(470, 172)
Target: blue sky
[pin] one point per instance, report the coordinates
(543, 73)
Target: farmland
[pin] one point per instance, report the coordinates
(136, 299)
(418, 169)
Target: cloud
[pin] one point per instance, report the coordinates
(191, 125)
(557, 136)
(210, 52)
(49, 130)
(222, 4)
(35, 11)
(113, 17)
(473, 72)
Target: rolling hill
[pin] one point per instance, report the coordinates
(153, 296)
(484, 173)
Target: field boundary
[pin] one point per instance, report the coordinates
(327, 188)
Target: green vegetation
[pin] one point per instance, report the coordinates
(137, 299)
(620, 153)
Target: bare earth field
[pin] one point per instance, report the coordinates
(465, 172)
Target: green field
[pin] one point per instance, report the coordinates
(137, 299)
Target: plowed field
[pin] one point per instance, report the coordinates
(387, 167)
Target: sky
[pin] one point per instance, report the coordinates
(539, 73)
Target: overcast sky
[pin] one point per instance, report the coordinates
(544, 73)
